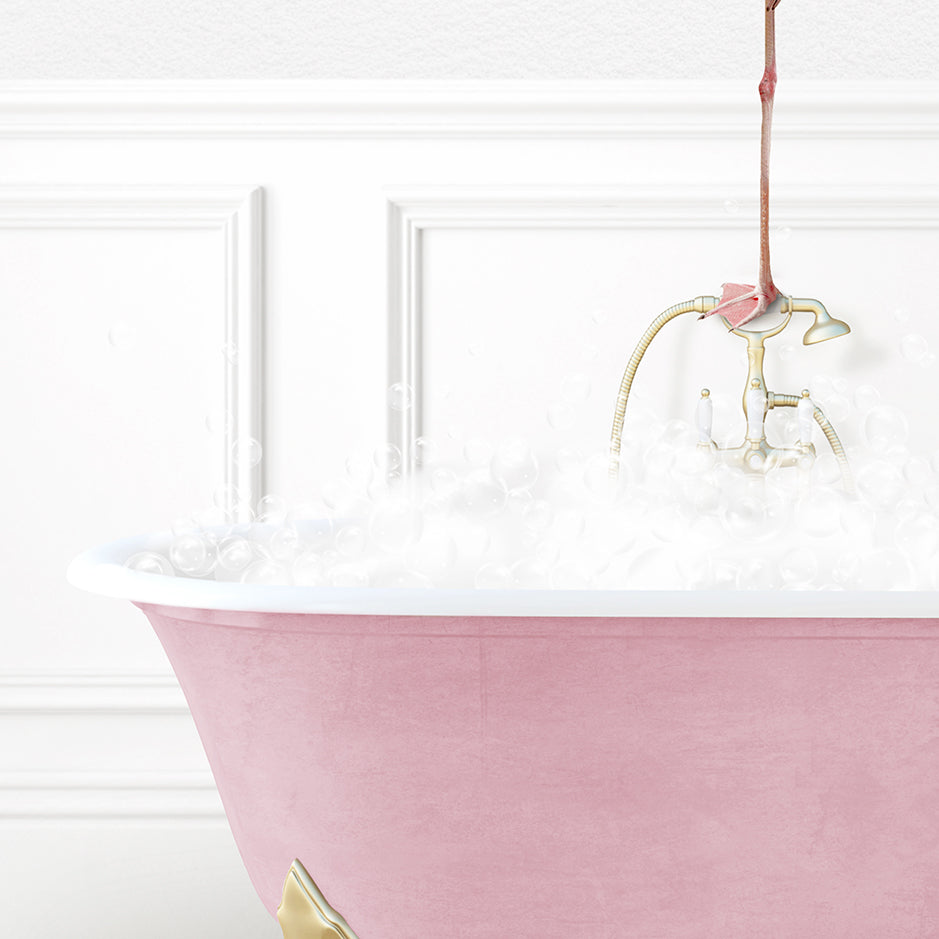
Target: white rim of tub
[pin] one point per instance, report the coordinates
(102, 571)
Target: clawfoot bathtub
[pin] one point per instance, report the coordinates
(543, 765)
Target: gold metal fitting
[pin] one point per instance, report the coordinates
(304, 912)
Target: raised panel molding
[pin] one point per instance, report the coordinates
(236, 213)
(705, 109)
(127, 794)
(91, 703)
(413, 211)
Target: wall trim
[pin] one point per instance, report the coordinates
(704, 109)
(125, 794)
(39, 693)
(237, 213)
(415, 210)
(117, 795)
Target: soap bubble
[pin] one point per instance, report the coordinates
(731, 206)
(230, 352)
(481, 496)
(264, 571)
(213, 524)
(575, 388)
(517, 501)
(308, 570)
(798, 568)
(881, 484)
(351, 541)
(759, 574)
(569, 460)
(400, 396)
(246, 451)
(528, 574)
(858, 520)
(340, 495)
(588, 351)
(561, 416)
(149, 562)
(403, 580)
(694, 460)
(285, 544)
(918, 536)
(884, 427)
(189, 553)
(866, 397)
(570, 575)
(826, 470)
(478, 451)
(901, 315)
(703, 494)
(514, 465)
(359, 468)
(653, 569)
(227, 495)
(917, 472)
(914, 347)
(425, 451)
(597, 477)
(395, 524)
(885, 569)
(387, 458)
(444, 483)
(837, 408)
(537, 515)
(745, 517)
(235, 554)
(819, 513)
(435, 553)
(347, 575)
(272, 509)
(473, 541)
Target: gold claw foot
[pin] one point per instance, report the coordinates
(304, 912)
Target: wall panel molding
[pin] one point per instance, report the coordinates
(61, 708)
(236, 213)
(474, 109)
(414, 211)
(126, 796)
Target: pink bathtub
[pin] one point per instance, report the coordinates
(547, 765)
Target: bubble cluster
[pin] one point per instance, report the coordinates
(503, 517)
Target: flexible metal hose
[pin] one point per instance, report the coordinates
(698, 305)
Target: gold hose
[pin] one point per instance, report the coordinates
(698, 305)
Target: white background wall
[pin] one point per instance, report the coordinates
(532, 208)
(479, 39)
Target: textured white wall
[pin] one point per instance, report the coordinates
(478, 39)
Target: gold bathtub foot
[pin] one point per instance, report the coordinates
(304, 912)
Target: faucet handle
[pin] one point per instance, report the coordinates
(805, 411)
(756, 410)
(704, 417)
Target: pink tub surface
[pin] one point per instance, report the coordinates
(474, 776)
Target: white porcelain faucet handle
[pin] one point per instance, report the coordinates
(704, 416)
(806, 413)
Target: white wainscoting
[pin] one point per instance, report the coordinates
(542, 224)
